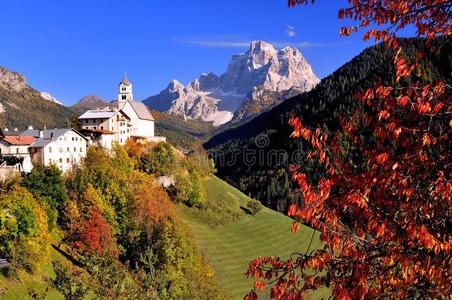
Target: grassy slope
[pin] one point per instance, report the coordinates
(230, 247)
(18, 289)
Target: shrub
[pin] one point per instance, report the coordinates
(255, 206)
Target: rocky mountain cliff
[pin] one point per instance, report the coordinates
(217, 99)
(21, 105)
(49, 97)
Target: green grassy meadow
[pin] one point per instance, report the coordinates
(17, 288)
(230, 246)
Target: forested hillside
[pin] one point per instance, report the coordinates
(255, 157)
(183, 134)
(21, 105)
(27, 107)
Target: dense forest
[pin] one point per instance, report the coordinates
(27, 107)
(183, 134)
(255, 156)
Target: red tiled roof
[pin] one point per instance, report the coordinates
(19, 140)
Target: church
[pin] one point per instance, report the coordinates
(124, 118)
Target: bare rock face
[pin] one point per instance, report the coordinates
(213, 98)
(50, 98)
(12, 80)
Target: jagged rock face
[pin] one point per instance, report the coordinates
(50, 98)
(12, 80)
(274, 70)
(213, 98)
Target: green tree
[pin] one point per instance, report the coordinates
(197, 195)
(70, 281)
(158, 160)
(48, 183)
(182, 188)
(74, 122)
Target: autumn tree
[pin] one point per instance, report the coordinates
(385, 224)
(24, 236)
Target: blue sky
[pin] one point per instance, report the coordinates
(71, 49)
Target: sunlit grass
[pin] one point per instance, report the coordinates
(231, 246)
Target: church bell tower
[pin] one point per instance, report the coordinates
(125, 90)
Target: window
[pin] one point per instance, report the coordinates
(123, 97)
(72, 138)
(127, 130)
(67, 160)
(50, 149)
(95, 127)
(101, 127)
(61, 160)
(75, 149)
(67, 149)
(17, 150)
(50, 161)
(81, 149)
(86, 121)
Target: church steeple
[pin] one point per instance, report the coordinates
(125, 90)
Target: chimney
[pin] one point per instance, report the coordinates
(41, 134)
(30, 127)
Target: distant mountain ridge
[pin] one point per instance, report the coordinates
(218, 98)
(89, 102)
(21, 105)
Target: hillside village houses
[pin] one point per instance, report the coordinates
(65, 147)
(123, 119)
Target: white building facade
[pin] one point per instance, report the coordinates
(110, 121)
(123, 119)
(17, 146)
(63, 148)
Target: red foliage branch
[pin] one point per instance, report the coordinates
(430, 17)
(386, 227)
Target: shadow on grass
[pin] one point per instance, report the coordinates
(67, 256)
(246, 210)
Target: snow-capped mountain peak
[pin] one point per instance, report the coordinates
(49, 97)
(217, 98)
